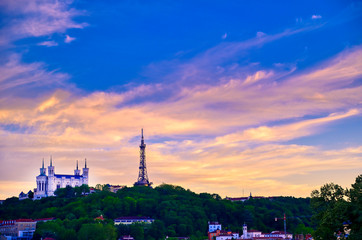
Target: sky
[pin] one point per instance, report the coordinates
(235, 97)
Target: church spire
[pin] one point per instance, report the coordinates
(51, 161)
(43, 163)
(85, 164)
(77, 164)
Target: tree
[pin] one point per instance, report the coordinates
(97, 231)
(338, 211)
(355, 197)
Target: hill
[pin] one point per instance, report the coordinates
(177, 211)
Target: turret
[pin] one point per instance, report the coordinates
(245, 231)
(77, 171)
(51, 168)
(85, 172)
(42, 169)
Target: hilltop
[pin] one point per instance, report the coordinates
(177, 211)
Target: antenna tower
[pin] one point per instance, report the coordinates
(142, 174)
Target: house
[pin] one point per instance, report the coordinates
(130, 220)
(227, 236)
(20, 228)
(222, 235)
(214, 226)
(100, 218)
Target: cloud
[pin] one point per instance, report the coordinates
(68, 39)
(37, 18)
(224, 36)
(182, 130)
(48, 43)
(260, 34)
(316, 16)
(285, 132)
(211, 65)
(17, 75)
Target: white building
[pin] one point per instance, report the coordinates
(213, 226)
(130, 220)
(251, 233)
(279, 234)
(228, 236)
(46, 185)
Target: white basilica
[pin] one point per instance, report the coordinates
(46, 185)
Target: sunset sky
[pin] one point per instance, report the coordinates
(233, 96)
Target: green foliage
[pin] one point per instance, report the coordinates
(97, 231)
(337, 209)
(177, 212)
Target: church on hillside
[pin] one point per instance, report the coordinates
(46, 185)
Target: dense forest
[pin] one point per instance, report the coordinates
(177, 212)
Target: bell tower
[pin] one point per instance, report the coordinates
(85, 172)
(77, 171)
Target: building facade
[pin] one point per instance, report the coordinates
(130, 220)
(48, 184)
(18, 229)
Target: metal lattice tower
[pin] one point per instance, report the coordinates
(142, 175)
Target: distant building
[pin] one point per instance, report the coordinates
(237, 199)
(46, 185)
(227, 236)
(23, 196)
(129, 237)
(130, 220)
(100, 218)
(18, 229)
(44, 219)
(92, 190)
(279, 234)
(115, 188)
(222, 235)
(213, 226)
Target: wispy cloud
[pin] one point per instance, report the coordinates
(224, 36)
(285, 132)
(37, 18)
(16, 74)
(48, 43)
(316, 16)
(68, 39)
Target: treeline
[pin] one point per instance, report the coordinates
(178, 212)
(338, 211)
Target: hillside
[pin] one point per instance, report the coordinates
(178, 212)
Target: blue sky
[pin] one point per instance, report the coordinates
(231, 86)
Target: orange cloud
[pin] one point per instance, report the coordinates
(227, 119)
